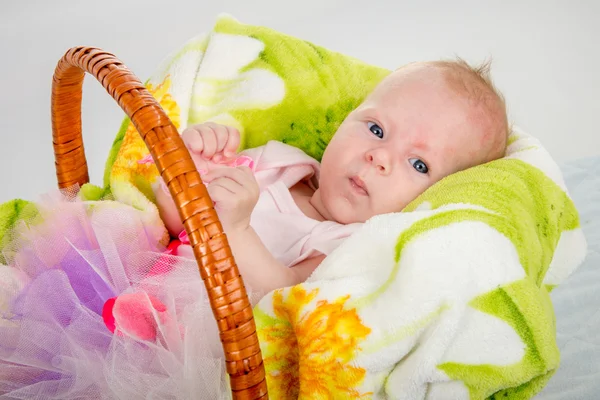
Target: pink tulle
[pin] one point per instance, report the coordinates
(86, 271)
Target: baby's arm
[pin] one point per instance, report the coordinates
(235, 193)
(167, 209)
(261, 271)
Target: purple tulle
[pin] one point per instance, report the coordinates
(60, 272)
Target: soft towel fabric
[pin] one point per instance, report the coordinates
(577, 300)
(448, 299)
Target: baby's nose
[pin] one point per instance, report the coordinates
(379, 161)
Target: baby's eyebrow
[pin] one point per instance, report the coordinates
(369, 110)
(421, 145)
(388, 124)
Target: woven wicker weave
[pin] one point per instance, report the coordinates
(218, 270)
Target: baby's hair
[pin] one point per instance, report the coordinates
(476, 83)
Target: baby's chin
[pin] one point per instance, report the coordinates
(342, 211)
(348, 216)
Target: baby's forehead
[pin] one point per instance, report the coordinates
(410, 79)
(450, 85)
(443, 97)
(415, 71)
(437, 74)
(418, 89)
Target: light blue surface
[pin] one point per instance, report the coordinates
(577, 300)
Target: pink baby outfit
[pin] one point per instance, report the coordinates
(285, 231)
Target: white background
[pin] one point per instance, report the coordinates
(546, 56)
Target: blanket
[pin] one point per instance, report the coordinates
(446, 299)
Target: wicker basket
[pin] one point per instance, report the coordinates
(227, 294)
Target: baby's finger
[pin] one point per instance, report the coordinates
(192, 139)
(245, 169)
(233, 142)
(227, 183)
(245, 181)
(246, 176)
(222, 135)
(210, 142)
(234, 174)
(218, 193)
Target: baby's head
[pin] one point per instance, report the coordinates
(422, 123)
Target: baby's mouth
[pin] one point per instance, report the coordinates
(359, 186)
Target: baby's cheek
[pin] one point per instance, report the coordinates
(490, 136)
(395, 200)
(473, 152)
(458, 157)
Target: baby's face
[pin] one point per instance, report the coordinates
(412, 131)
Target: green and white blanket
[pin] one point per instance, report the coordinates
(445, 300)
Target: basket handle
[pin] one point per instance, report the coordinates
(229, 300)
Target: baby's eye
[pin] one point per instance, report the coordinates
(419, 165)
(375, 129)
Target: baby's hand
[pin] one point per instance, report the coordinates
(212, 141)
(235, 194)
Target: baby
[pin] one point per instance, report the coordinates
(422, 123)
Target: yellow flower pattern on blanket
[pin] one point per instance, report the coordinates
(309, 353)
(133, 149)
